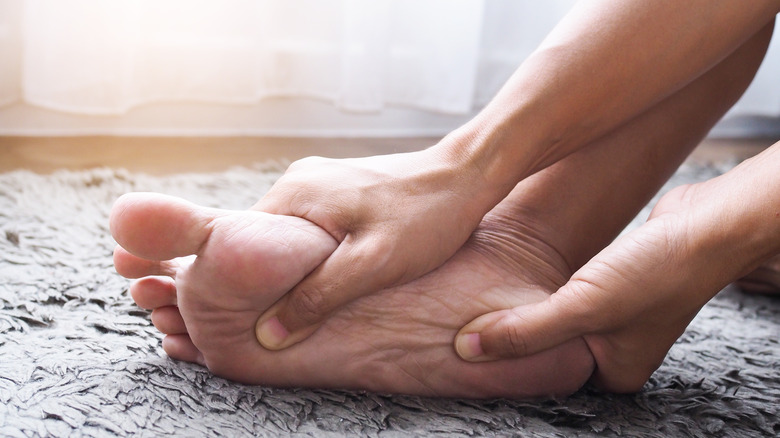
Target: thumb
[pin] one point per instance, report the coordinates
(344, 276)
(520, 331)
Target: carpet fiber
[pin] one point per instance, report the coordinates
(78, 358)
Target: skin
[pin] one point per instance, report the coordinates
(378, 215)
(764, 280)
(400, 339)
(719, 230)
(633, 300)
(397, 218)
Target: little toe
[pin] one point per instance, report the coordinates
(153, 226)
(168, 320)
(153, 292)
(180, 347)
(130, 266)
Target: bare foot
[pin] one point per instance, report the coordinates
(765, 280)
(398, 340)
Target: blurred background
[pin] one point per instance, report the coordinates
(401, 69)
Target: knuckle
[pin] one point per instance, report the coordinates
(376, 253)
(375, 264)
(308, 304)
(581, 307)
(515, 338)
(304, 163)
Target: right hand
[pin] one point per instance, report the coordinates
(629, 303)
(633, 300)
(396, 218)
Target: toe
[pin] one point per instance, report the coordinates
(159, 227)
(180, 347)
(168, 320)
(130, 266)
(153, 292)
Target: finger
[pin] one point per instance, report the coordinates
(270, 203)
(180, 347)
(344, 276)
(168, 320)
(130, 266)
(160, 227)
(290, 190)
(153, 292)
(520, 331)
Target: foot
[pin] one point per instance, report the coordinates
(765, 280)
(398, 340)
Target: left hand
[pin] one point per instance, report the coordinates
(396, 217)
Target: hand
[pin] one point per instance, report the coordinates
(396, 217)
(636, 297)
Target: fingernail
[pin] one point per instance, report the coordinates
(469, 346)
(271, 334)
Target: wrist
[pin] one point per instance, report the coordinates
(737, 215)
(510, 139)
(475, 157)
(490, 153)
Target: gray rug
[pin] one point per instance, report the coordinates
(77, 357)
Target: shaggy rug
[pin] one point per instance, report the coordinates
(78, 358)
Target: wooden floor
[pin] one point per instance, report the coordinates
(171, 155)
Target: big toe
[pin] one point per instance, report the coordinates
(159, 227)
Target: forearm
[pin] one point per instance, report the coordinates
(604, 64)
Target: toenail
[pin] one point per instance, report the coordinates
(271, 334)
(469, 346)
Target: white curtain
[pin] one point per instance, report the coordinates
(111, 58)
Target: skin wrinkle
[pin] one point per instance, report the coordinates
(487, 241)
(421, 383)
(385, 358)
(456, 308)
(578, 285)
(463, 307)
(425, 374)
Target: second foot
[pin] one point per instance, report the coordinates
(399, 340)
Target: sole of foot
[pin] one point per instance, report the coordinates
(399, 340)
